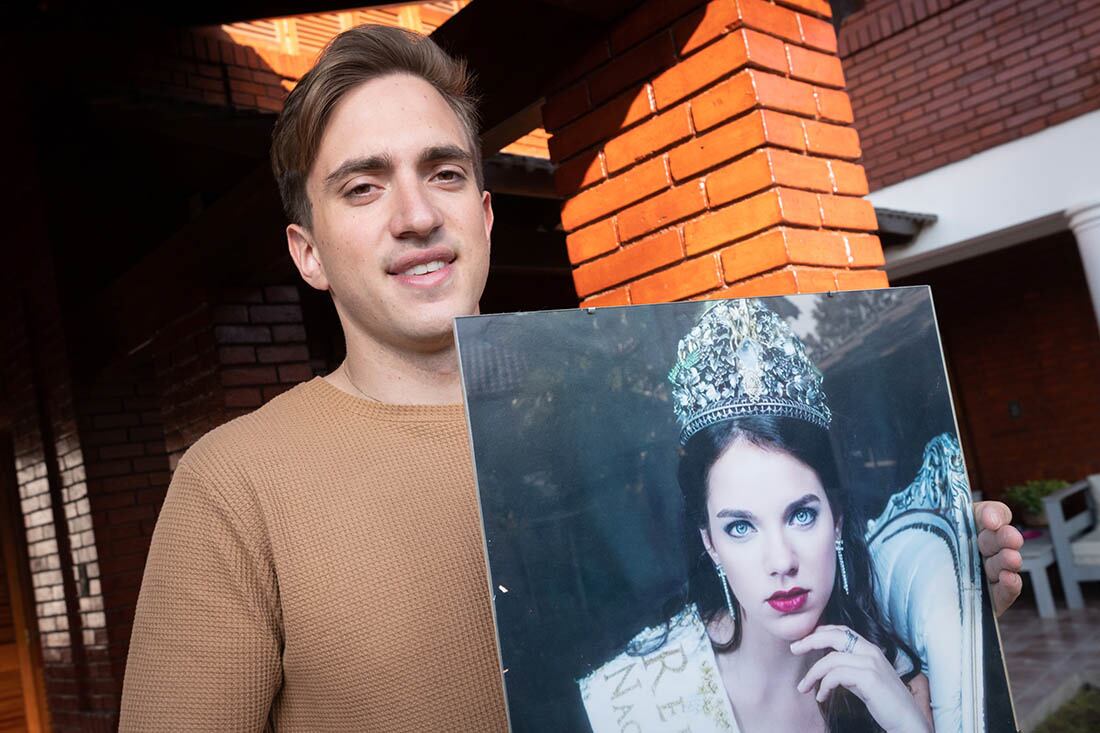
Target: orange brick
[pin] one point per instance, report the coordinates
(817, 33)
(784, 130)
(682, 281)
(739, 220)
(861, 280)
(723, 101)
(648, 138)
(702, 27)
(815, 280)
(834, 105)
(765, 168)
(763, 16)
(787, 281)
(753, 256)
(699, 70)
(835, 141)
(848, 178)
(820, 8)
(601, 123)
(740, 178)
(632, 66)
(819, 68)
(717, 146)
(660, 211)
(566, 105)
(619, 296)
(614, 194)
(628, 263)
(592, 241)
(578, 173)
(816, 247)
(847, 212)
(864, 250)
(765, 51)
(780, 282)
(786, 95)
(800, 171)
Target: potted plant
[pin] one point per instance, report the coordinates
(1027, 498)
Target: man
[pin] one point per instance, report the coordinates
(318, 563)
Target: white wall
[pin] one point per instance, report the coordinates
(1000, 197)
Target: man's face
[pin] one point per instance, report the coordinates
(400, 231)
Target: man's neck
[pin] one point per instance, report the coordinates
(385, 375)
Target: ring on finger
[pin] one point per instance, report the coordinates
(852, 639)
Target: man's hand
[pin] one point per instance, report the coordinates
(1000, 543)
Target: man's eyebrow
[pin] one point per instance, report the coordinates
(441, 153)
(368, 164)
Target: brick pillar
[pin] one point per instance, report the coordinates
(226, 357)
(706, 150)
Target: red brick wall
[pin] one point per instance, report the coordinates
(705, 150)
(935, 81)
(1018, 325)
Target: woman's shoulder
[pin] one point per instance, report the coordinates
(666, 678)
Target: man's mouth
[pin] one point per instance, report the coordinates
(425, 268)
(788, 601)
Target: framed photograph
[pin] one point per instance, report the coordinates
(731, 515)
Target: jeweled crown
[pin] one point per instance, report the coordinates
(742, 359)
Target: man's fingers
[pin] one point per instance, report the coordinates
(1006, 590)
(1004, 561)
(991, 542)
(992, 514)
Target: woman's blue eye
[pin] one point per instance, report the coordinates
(739, 528)
(804, 517)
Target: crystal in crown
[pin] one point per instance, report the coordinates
(742, 359)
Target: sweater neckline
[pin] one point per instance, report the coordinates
(319, 391)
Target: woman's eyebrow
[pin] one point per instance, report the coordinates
(804, 501)
(736, 514)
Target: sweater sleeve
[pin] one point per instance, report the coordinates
(205, 653)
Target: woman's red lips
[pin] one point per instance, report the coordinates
(788, 601)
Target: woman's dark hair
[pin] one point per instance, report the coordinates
(856, 609)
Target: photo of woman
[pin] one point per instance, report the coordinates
(721, 546)
(783, 578)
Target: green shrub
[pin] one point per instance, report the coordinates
(1028, 496)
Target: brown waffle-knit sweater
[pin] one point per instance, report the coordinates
(318, 566)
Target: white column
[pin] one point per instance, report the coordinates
(1084, 220)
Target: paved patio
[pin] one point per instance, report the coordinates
(1048, 658)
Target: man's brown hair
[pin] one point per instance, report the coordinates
(355, 56)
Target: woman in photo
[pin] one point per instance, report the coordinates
(783, 579)
(780, 592)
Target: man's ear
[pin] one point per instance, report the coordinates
(306, 258)
(487, 207)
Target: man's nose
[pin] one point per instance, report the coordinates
(416, 215)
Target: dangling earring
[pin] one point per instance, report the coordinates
(726, 590)
(840, 559)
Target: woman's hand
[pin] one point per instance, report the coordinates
(860, 667)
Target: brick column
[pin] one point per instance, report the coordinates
(706, 150)
(227, 357)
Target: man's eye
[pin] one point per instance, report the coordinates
(804, 517)
(449, 176)
(738, 528)
(362, 189)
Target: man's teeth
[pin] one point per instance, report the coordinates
(425, 268)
